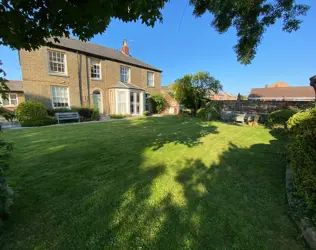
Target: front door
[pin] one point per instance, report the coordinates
(97, 101)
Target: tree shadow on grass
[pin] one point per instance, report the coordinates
(238, 202)
(91, 188)
(74, 183)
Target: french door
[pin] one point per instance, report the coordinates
(134, 103)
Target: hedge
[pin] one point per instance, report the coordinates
(280, 117)
(302, 127)
(85, 113)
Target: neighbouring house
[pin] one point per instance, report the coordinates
(281, 91)
(168, 88)
(222, 96)
(73, 73)
(173, 105)
(15, 95)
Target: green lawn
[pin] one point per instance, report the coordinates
(165, 183)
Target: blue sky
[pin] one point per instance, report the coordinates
(193, 45)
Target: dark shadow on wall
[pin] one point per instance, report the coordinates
(79, 194)
(46, 101)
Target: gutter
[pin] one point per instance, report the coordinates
(88, 80)
(79, 76)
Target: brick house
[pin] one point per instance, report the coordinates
(220, 96)
(281, 91)
(73, 73)
(15, 95)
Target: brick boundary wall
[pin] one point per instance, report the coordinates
(264, 106)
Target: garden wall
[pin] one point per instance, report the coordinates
(263, 106)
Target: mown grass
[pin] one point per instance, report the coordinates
(152, 183)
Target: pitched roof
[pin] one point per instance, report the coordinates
(284, 92)
(123, 85)
(100, 51)
(15, 86)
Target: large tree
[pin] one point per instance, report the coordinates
(28, 24)
(191, 90)
(251, 18)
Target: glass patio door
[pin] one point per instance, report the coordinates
(134, 103)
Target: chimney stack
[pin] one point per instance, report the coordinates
(125, 48)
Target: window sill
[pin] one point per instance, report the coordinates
(58, 74)
(96, 79)
(152, 87)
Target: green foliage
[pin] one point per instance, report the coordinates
(95, 115)
(52, 112)
(146, 113)
(201, 113)
(8, 115)
(159, 102)
(251, 19)
(191, 90)
(211, 111)
(302, 127)
(171, 94)
(31, 110)
(6, 193)
(242, 97)
(85, 113)
(280, 117)
(185, 112)
(3, 81)
(37, 122)
(117, 116)
(32, 23)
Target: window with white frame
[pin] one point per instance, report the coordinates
(95, 68)
(124, 74)
(150, 79)
(11, 101)
(121, 102)
(57, 62)
(60, 97)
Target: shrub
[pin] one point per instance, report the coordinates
(52, 112)
(146, 113)
(213, 110)
(85, 113)
(201, 113)
(117, 116)
(302, 127)
(44, 121)
(280, 117)
(6, 193)
(185, 112)
(159, 102)
(95, 115)
(30, 110)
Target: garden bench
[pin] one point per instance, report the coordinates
(67, 116)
